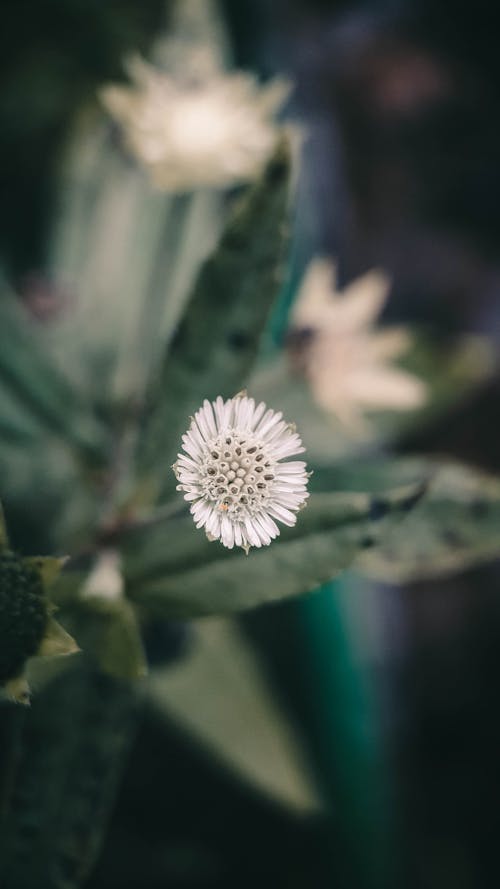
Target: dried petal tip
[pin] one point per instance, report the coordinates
(18, 690)
(233, 475)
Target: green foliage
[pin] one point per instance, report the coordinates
(216, 343)
(456, 525)
(23, 614)
(109, 631)
(26, 625)
(219, 695)
(170, 568)
(92, 408)
(35, 386)
(70, 748)
(130, 289)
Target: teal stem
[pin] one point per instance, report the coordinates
(346, 736)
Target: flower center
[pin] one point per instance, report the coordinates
(237, 473)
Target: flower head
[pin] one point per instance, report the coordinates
(232, 473)
(347, 360)
(196, 133)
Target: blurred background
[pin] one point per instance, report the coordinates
(349, 739)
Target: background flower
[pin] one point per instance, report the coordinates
(194, 133)
(348, 362)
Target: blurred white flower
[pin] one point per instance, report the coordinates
(196, 132)
(232, 473)
(347, 360)
(105, 581)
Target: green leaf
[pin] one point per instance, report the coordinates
(220, 695)
(108, 631)
(217, 341)
(18, 427)
(373, 474)
(452, 370)
(171, 567)
(18, 690)
(44, 484)
(56, 641)
(66, 759)
(134, 252)
(456, 524)
(30, 378)
(48, 568)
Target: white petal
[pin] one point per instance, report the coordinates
(271, 525)
(257, 415)
(249, 413)
(213, 523)
(227, 532)
(183, 460)
(262, 530)
(209, 416)
(238, 538)
(219, 412)
(274, 433)
(285, 488)
(203, 426)
(295, 467)
(191, 449)
(228, 409)
(197, 436)
(240, 412)
(268, 424)
(293, 482)
(287, 448)
(283, 514)
(253, 537)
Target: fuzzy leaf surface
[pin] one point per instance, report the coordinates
(217, 340)
(69, 752)
(454, 526)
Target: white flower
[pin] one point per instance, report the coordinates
(347, 360)
(194, 133)
(233, 475)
